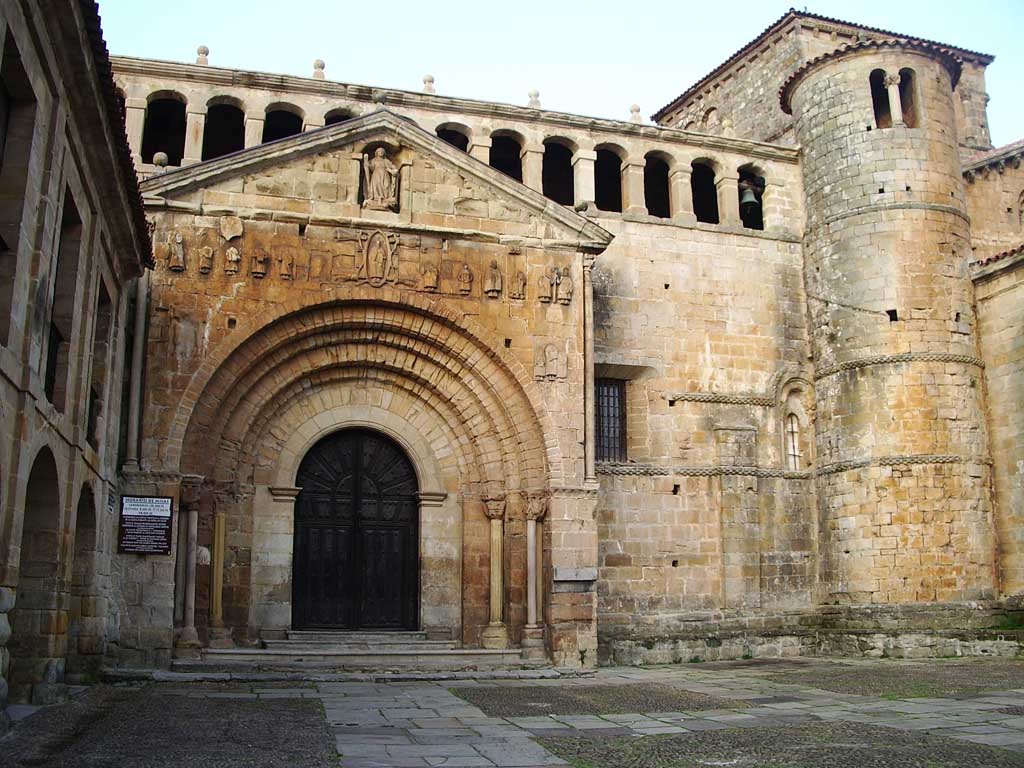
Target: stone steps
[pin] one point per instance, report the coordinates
(395, 660)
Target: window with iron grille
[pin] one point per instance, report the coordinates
(611, 419)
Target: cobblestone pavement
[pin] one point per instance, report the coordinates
(770, 715)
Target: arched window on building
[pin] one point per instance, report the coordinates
(908, 97)
(454, 134)
(225, 129)
(84, 637)
(281, 121)
(794, 457)
(18, 107)
(164, 130)
(65, 289)
(710, 120)
(880, 99)
(556, 174)
(751, 197)
(656, 189)
(608, 179)
(705, 193)
(339, 115)
(507, 154)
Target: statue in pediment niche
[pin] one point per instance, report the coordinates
(176, 261)
(380, 181)
(465, 279)
(565, 286)
(429, 277)
(205, 260)
(232, 258)
(287, 262)
(518, 289)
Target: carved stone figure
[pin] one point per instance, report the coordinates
(549, 363)
(378, 259)
(380, 178)
(205, 260)
(493, 281)
(564, 287)
(465, 279)
(518, 289)
(230, 227)
(545, 288)
(176, 260)
(259, 263)
(429, 277)
(286, 263)
(232, 260)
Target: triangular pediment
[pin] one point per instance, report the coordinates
(320, 174)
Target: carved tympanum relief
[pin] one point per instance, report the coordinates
(378, 258)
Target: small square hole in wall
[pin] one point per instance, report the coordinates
(893, 315)
(671, 403)
(675, 489)
(232, 322)
(956, 318)
(908, 187)
(666, 286)
(302, 230)
(867, 127)
(675, 563)
(508, 343)
(881, 190)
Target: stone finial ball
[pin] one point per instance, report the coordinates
(160, 159)
(534, 93)
(428, 79)
(319, 64)
(202, 50)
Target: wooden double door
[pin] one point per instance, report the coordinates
(356, 552)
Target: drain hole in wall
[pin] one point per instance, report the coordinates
(508, 343)
(893, 315)
(232, 322)
(675, 563)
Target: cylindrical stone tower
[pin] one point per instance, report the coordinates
(903, 472)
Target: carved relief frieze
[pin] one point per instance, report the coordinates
(232, 260)
(517, 289)
(205, 260)
(260, 262)
(429, 278)
(465, 279)
(377, 262)
(564, 288)
(286, 263)
(549, 362)
(493, 281)
(176, 257)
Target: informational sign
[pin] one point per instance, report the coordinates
(145, 525)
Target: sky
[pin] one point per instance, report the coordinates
(594, 57)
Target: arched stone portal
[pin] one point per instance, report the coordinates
(355, 559)
(461, 409)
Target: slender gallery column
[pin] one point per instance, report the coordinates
(254, 129)
(135, 123)
(728, 186)
(188, 504)
(533, 633)
(220, 636)
(633, 187)
(583, 176)
(892, 84)
(533, 167)
(589, 448)
(681, 195)
(480, 148)
(131, 460)
(195, 125)
(495, 634)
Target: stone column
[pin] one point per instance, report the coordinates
(135, 124)
(589, 447)
(131, 461)
(495, 634)
(533, 632)
(892, 84)
(254, 129)
(220, 636)
(532, 157)
(188, 504)
(313, 124)
(727, 184)
(633, 198)
(195, 124)
(480, 148)
(583, 176)
(681, 195)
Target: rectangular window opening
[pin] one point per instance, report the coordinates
(610, 414)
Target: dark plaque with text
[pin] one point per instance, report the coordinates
(145, 525)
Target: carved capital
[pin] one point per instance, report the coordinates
(536, 506)
(494, 507)
(191, 485)
(284, 493)
(588, 264)
(891, 80)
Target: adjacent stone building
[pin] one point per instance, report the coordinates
(537, 388)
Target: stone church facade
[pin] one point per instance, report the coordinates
(743, 381)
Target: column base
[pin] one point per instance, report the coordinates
(220, 637)
(494, 637)
(187, 645)
(533, 643)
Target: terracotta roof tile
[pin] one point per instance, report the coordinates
(998, 256)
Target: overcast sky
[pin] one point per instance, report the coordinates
(593, 58)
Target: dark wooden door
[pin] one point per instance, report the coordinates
(356, 553)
